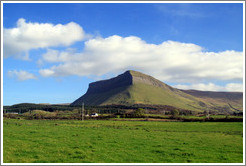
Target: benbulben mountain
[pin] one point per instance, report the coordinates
(133, 87)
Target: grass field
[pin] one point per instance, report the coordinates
(96, 141)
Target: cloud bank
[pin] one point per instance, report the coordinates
(21, 75)
(235, 87)
(169, 61)
(27, 35)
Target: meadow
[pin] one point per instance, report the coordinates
(108, 141)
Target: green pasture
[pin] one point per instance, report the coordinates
(96, 141)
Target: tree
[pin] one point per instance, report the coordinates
(175, 113)
(139, 112)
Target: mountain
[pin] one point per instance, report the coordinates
(133, 87)
(230, 101)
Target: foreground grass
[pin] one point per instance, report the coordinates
(53, 141)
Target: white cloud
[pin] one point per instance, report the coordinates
(169, 61)
(21, 75)
(233, 87)
(27, 35)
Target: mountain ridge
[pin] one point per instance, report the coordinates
(133, 87)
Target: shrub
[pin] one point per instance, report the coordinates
(139, 112)
(39, 114)
(174, 113)
(11, 116)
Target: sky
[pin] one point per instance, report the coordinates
(52, 51)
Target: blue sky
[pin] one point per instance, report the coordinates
(53, 51)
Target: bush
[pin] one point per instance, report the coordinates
(39, 114)
(174, 113)
(139, 112)
(11, 116)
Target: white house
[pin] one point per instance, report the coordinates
(94, 115)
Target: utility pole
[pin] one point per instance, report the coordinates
(82, 112)
(207, 114)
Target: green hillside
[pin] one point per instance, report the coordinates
(140, 93)
(133, 87)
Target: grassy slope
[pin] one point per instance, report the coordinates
(40, 141)
(221, 99)
(237, 104)
(147, 94)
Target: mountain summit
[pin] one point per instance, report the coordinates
(133, 87)
(126, 88)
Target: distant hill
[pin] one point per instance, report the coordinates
(220, 100)
(25, 107)
(133, 87)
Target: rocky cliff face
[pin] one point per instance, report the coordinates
(100, 91)
(122, 80)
